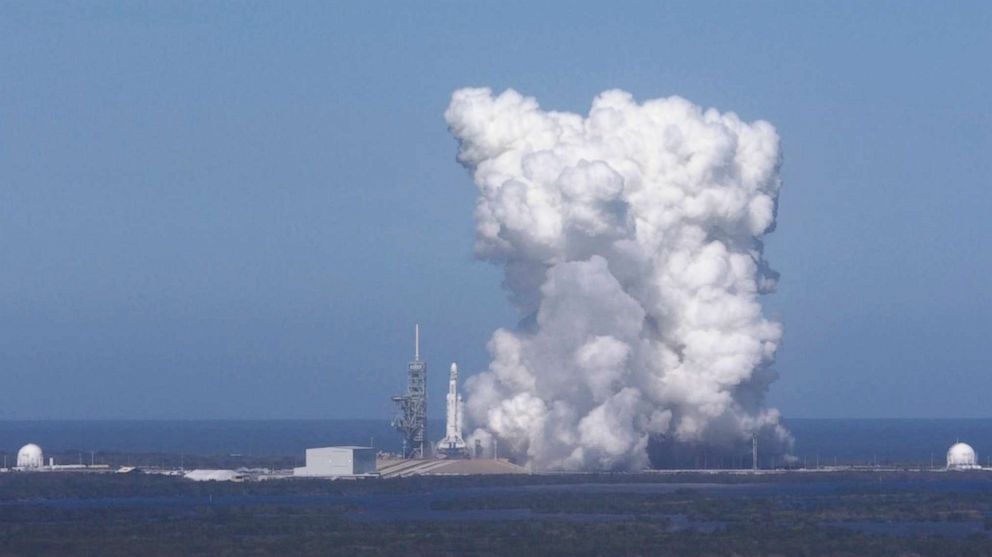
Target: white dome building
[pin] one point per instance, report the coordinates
(30, 456)
(961, 457)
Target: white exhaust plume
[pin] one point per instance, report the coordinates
(631, 244)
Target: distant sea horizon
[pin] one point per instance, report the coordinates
(823, 440)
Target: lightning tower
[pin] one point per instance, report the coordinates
(411, 420)
(754, 451)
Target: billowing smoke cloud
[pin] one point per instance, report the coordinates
(631, 244)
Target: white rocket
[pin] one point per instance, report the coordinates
(453, 445)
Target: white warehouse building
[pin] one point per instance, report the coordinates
(336, 462)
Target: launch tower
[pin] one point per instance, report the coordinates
(411, 420)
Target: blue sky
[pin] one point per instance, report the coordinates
(210, 210)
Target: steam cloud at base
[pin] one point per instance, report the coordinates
(630, 241)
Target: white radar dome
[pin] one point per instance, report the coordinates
(961, 457)
(30, 456)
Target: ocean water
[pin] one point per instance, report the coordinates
(201, 437)
(887, 441)
(827, 441)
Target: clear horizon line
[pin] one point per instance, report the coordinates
(316, 419)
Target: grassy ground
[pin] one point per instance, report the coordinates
(763, 523)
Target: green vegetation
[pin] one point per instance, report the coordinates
(326, 530)
(799, 514)
(745, 509)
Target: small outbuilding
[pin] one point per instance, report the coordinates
(961, 457)
(215, 476)
(337, 462)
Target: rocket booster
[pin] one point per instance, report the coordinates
(453, 446)
(452, 400)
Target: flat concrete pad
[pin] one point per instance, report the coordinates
(394, 468)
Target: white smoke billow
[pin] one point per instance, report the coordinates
(631, 244)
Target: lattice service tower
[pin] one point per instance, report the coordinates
(412, 418)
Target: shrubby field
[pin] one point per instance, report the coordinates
(637, 514)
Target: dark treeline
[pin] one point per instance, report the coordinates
(807, 514)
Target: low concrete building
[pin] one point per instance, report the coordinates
(215, 476)
(337, 462)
